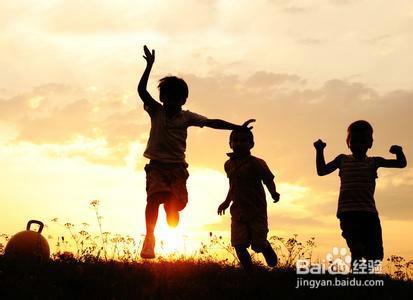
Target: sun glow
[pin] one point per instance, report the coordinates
(172, 241)
(35, 102)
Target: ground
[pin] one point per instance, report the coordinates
(178, 279)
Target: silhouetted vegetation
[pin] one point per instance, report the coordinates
(68, 277)
(107, 266)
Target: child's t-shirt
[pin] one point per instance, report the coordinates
(246, 190)
(358, 182)
(167, 138)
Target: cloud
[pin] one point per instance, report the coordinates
(391, 196)
(107, 128)
(292, 6)
(393, 193)
(299, 114)
(290, 116)
(311, 41)
(344, 2)
(103, 17)
(285, 221)
(55, 114)
(267, 79)
(377, 40)
(95, 41)
(292, 9)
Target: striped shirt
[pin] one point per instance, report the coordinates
(358, 182)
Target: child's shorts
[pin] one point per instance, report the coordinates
(362, 232)
(250, 232)
(167, 178)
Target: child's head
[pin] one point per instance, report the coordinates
(359, 137)
(173, 91)
(241, 141)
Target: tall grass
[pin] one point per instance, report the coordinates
(77, 243)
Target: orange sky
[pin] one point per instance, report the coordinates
(72, 128)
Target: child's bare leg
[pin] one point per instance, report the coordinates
(171, 206)
(151, 211)
(151, 216)
(270, 255)
(244, 257)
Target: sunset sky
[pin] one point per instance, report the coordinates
(72, 128)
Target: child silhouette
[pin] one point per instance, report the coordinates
(249, 225)
(166, 173)
(359, 219)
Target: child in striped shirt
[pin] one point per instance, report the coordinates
(359, 219)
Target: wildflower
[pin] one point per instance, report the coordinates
(69, 225)
(94, 203)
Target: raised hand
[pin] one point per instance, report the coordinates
(149, 56)
(319, 144)
(246, 123)
(395, 149)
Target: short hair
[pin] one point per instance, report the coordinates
(360, 126)
(247, 132)
(172, 85)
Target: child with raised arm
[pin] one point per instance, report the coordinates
(359, 219)
(166, 173)
(249, 225)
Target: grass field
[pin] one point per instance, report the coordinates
(69, 278)
(103, 265)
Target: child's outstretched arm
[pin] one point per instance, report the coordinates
(142, 91)
(322, 167)
(221, 124)
(273, 191)
(399, 162)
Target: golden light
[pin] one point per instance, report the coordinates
(35, 102)
(172, 241)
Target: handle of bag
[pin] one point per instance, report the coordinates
(41, 225)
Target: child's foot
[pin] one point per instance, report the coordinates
(172, 215)
(244, 257)
(270, 256)
(148, 248)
